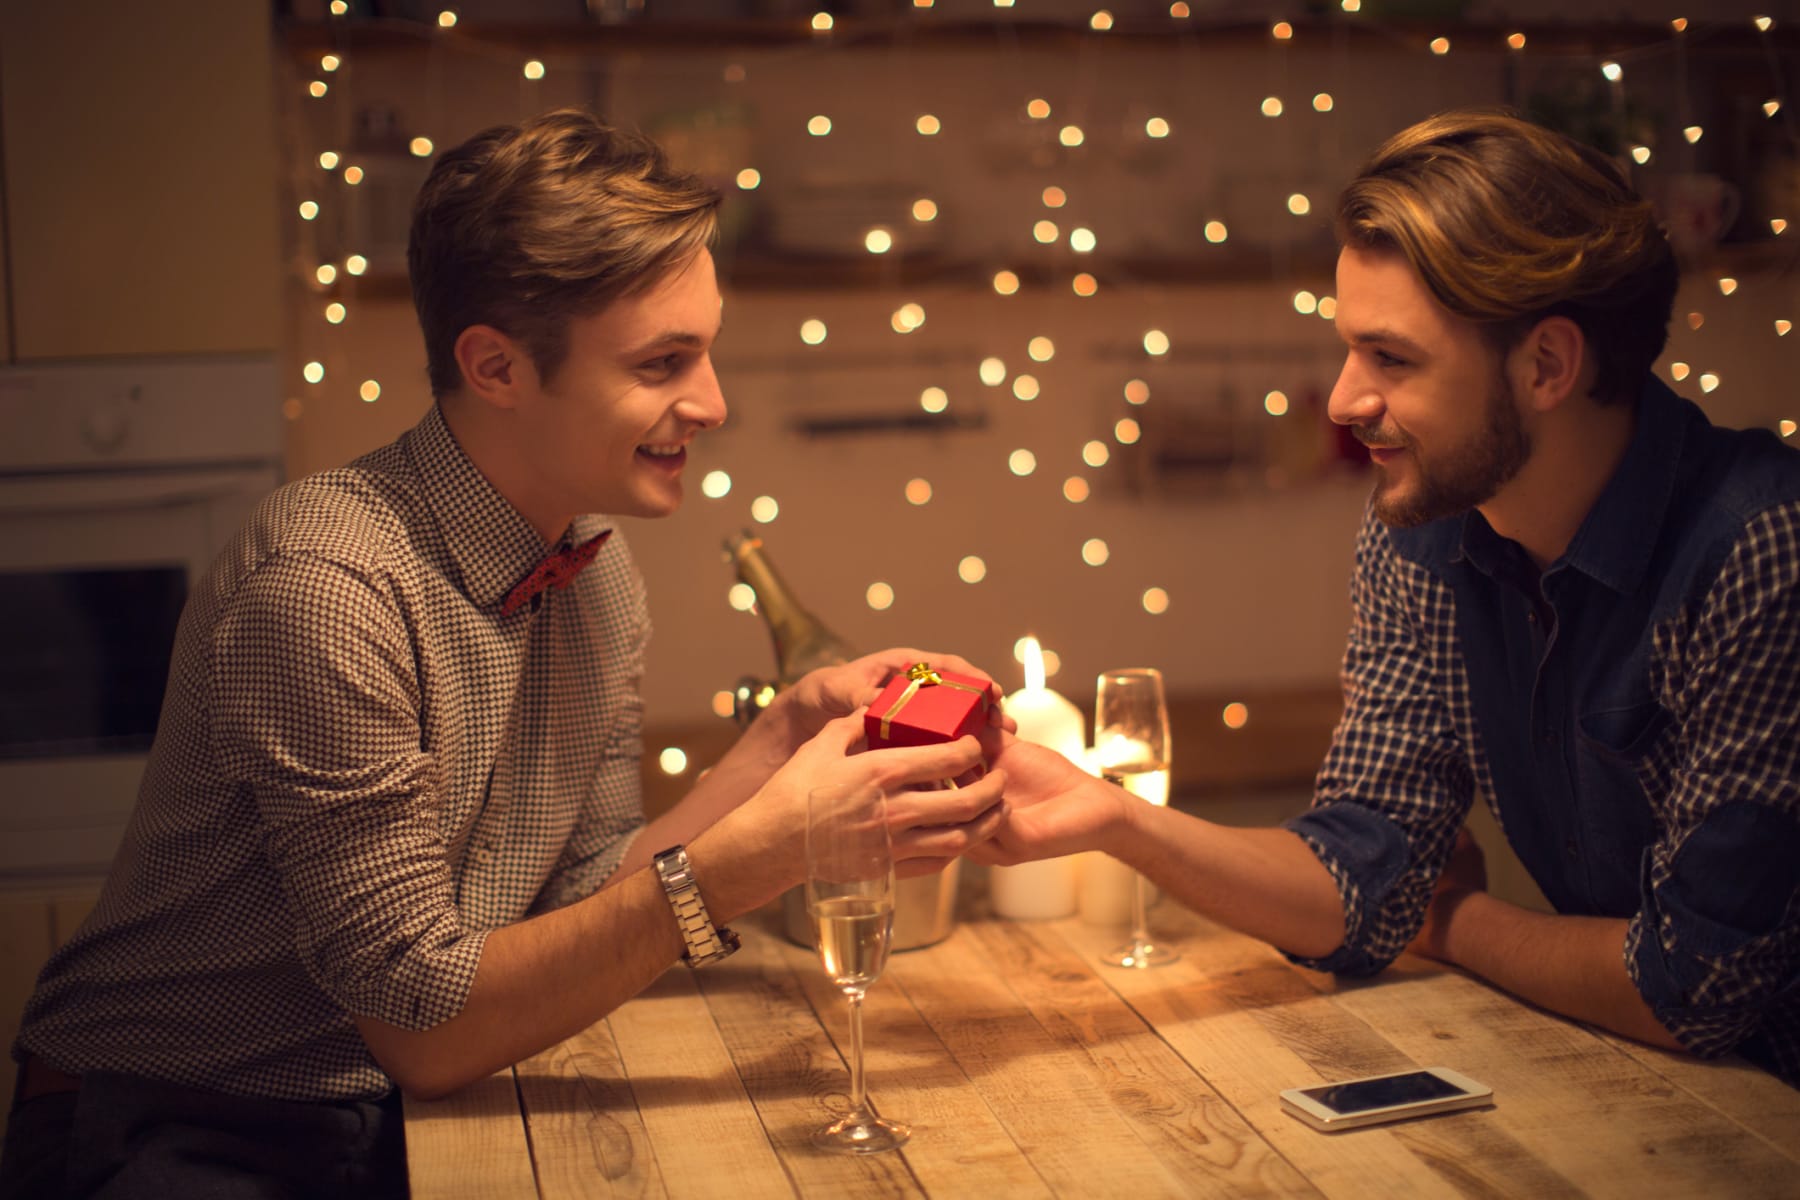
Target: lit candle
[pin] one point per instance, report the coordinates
(1044, 716)
(1043, 889)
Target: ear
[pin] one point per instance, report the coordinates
(1551, 364)
(494, 367)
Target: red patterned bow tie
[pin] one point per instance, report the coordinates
(558, 569)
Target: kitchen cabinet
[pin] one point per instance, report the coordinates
(31, 928)
(6, 350)
(140, 179)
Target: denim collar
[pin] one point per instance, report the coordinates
(1617, 537)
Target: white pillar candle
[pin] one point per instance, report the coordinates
(1105, 883)
(1040, 890)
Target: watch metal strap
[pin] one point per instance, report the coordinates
(706, 943)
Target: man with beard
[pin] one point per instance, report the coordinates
(1576, 601)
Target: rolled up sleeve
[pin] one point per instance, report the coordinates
(318, 717)
(1395, 784)
(1715, 948)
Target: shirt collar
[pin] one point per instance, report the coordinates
(1616, 539)
(490, 543)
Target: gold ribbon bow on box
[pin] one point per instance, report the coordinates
(921, 675)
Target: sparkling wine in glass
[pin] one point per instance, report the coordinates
(1131, 742)
(850, 896)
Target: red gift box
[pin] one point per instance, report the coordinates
(925, 707)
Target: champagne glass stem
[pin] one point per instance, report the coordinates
(858, 1100)
(1140, 923)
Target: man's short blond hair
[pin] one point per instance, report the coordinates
(523, 227)
(1508, 223)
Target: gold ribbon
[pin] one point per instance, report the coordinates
(921, 675)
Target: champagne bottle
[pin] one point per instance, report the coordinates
(801, 641)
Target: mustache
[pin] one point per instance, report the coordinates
(1378, 439)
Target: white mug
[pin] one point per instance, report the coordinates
(1697, 209)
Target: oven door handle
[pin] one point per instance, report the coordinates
(77, 493)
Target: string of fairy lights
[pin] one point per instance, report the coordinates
(328, 289)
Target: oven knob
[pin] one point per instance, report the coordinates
(104, 428)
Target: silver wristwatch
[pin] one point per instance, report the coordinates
(706, 942)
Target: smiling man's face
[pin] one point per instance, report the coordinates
(609, 430)
(1424, 391)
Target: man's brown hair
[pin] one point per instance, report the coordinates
(526, 226)
(1508, 223)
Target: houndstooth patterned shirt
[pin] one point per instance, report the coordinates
(362, 766)
(1631, 717)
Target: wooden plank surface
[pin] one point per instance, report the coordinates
(957, 1139)
(1641, 1133)
(792, 1072)
(1252, 1024)
(690, 1097)
(587, 1138)
(1026, 1067)
(1104, 1087)
(1743, 1093)
(470, 1145)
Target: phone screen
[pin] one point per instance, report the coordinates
(1366, 1094)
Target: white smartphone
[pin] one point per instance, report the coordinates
(1378, 1098)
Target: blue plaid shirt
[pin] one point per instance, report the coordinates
(1631, 716)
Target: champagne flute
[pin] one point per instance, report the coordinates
(1131, 742)
(850, 896)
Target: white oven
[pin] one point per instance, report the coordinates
(120, 480)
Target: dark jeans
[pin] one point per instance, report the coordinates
(126, 1138)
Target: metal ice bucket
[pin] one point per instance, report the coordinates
(924, 910)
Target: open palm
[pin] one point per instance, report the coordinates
(1053, 806)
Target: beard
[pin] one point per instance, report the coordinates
(1453, 479)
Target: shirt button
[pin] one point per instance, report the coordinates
(1571, 848)
(484, 856)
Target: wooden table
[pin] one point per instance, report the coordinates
(1028, 1068)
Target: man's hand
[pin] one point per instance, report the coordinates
(1053, 806)
(832, 692)
(1568, 964)
(1464, 873)
(759, 847)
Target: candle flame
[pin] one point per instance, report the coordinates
(1034, 664)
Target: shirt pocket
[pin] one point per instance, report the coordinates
(1626, 735)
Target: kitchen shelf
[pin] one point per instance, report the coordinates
(1777, 255)
(765, 272)
(925, 29)
(762, 271)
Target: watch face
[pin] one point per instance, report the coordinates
(672, 867)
